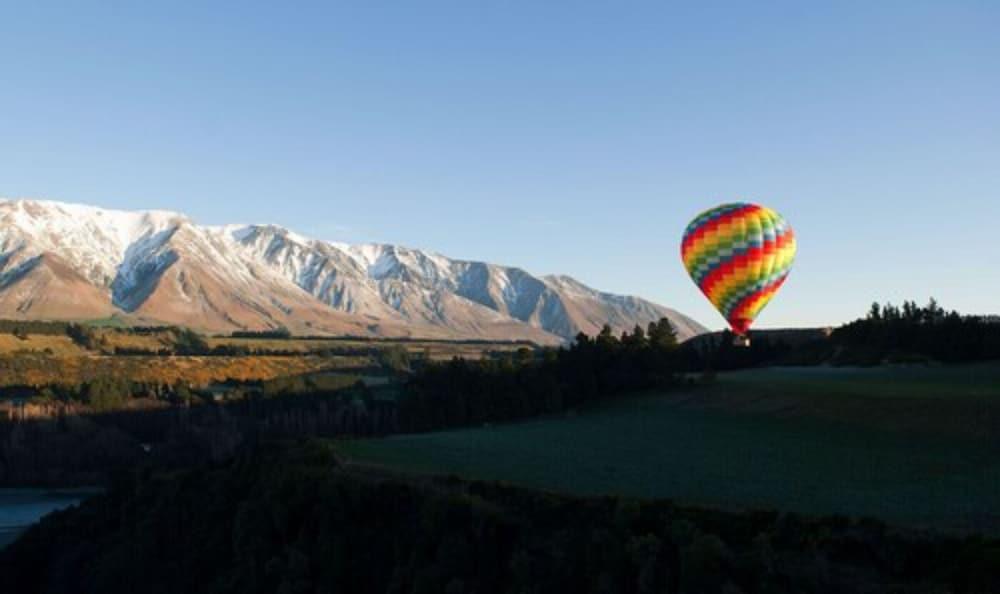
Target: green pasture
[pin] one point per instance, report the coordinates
(920, 381)
(888, 442)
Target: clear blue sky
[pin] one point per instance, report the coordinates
(572, 137)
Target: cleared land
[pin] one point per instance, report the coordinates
(55, 359)
(434, 349)
(198, 371)
(913, 446)
(40, 343)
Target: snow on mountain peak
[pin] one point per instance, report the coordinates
(93, 239)
(237, 276)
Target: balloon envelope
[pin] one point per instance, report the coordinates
(739, 255)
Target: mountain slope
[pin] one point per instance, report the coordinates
(70, 261)
(45, 287)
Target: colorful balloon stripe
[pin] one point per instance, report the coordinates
(739, 255)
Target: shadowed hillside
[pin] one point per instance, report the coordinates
(293, 519)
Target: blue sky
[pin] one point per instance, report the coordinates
(571, 137)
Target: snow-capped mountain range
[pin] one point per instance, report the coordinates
(69, 261)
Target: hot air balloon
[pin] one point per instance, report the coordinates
(739, 255)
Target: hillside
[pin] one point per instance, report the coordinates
(294, 519)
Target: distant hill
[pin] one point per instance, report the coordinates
(75, 262)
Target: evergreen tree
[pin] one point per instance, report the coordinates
(662, 335)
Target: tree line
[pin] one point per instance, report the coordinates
(887, 334)
(85, 447)
(528, 383)
(908, 331)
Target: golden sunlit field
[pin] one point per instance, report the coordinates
(147, 342)
(156, 355)
(58, 345)
(437, 350)
(197, 371)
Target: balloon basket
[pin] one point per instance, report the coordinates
(741, 341)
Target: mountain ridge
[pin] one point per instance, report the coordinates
(160, 265)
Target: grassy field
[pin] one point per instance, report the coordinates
(933, 381)
(913, 446)
(55, 359)
(961, 401)
(197, 371)
(435, 349)
(112, 339)
(40, 343)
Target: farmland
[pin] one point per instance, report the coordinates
(46, 354)
(913, 446)
(432, 349)
(40, 343)
(198, 371)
